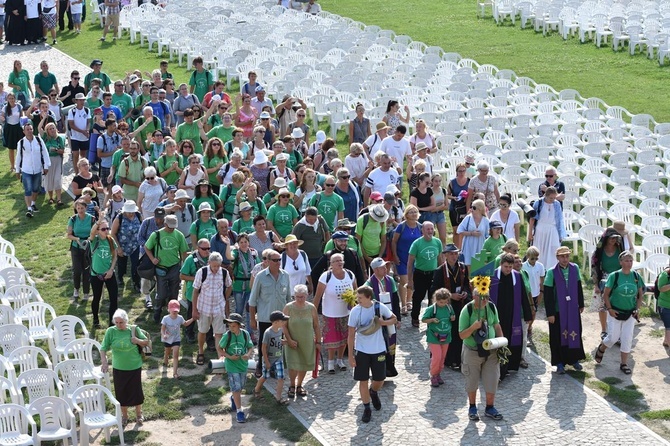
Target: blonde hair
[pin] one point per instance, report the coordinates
(479, 205)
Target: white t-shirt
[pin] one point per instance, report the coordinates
(396, 149)
(508, 227)
(333, 305)
(76, 8)
(81, 119)
(373, 143)
(152, 196)
(534, 274)
(31, 8)
(356, 165)
(429, 140)
(298, 270)
(49, 4)
(361, 317)
(379, 181)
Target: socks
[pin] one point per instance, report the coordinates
(488, 407)
(239, 410)
(474, 405)
(366, 405)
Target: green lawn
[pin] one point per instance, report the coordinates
(635, 83)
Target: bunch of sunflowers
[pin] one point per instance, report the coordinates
(349, 296)
(481, 284)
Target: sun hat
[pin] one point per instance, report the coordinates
(234, 318)
(133, 78)
(345, 223)
(278, 316)
(260, 88)
(392, 189)
(562, 250)
(291, 238)
(382, 125)
(297, 133)
(88, 190)
(129, 207)
(469, 159)
(171, 221)
(379, 213)
(620, 227)
(260, 157)
(320, 136)
(80, 97)
(265, 115)
(279, 182)
(450, 247)
(282, 157)
(181, 194)
(173, 305)
(245, 206)
(205, 207)
(284, 191)
(116, 189)
(203, 182)
(420, 146)
(377, 262)
(376, 196)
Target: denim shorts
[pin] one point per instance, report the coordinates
(32, 183)
(236, 381)
(76, 19)
(665, 316)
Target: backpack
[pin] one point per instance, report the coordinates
(116, 139)
(656, 290)
(287, 177)
(236, 206)
(638, 279)
(491, 306)
(204, 276)
(92, 248)
(142, 160)
(228, 340)
(284, 258)
(330, 275)
(41, 144)
(254, 256)
(119, 217)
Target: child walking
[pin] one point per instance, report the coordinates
(237, 349)
(536, 272)
(439, 318)
(171, 334)
(272, 348)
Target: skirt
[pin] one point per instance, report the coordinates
(128, 387)
(335, 332)
(12, 135)
(54, 177)
(547, 241)
(49, 20)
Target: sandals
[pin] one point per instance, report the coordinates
(624, 368)
(59, 203)
(282, 402)
(201, 359)
(51, 201)
(403, 311)
(599, 355)
(291, 392)
(258, 395)
(300, 391)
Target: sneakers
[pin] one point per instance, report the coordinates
(102, 39)
(233, 406)
(29, 213)
(439, 379)
(342, 365)
(491, 412)
(560, 369)
(34, 208)
(367, 415)
(376, 402)
(523, 364)
(147, 303)
(86, 296)
(75, 294)
(434, 382)
(472, 414)
(577, 366)
(241, 418)
(331, 366)
(54, 42)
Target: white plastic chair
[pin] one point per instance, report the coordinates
(17, 427)
(595, 197)
(8, 394)
(13, 336)
(57, 421)
(589, 235)
(73, 373)
(653, 226)
(654, 265)
(39, 383)
(655, 244)
(87, 349)
(594, 215)
(572, 223)
(652, 189)
(28, 358)
(652, 207)
(7, 369)
(20, 295)
(36, 315)
(90, 403)
(14, 276)
(7, 315)
(65, 329)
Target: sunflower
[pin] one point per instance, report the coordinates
(481, 284)
(349, 297)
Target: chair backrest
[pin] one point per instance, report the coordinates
(652, 207)
(13, 336)
(656, 244)
(65, 329)
(21, 294)
(7, 315)
(16, 423)
(655, 264)
(589, 235)
(8, 394)
(83, 348)
(36, 315)
(39, 383)
(13, 276)
(28, 358)
(54, 415)
(73, 373)
(90, 398)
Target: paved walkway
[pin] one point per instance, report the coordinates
(539, 408)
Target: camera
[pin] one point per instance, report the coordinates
(527, 208)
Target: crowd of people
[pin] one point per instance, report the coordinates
(232, 205)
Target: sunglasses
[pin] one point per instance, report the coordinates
(204, 248)
(52, 95)
(195, 163)
(301, 116)
(330, 185)
(216, 144)
(345, 177)
(76, 78)
(284, 196)
(503, 205)
(295, 266)
(151, 178)
(103, 229)
(275, 260)
(549, 176)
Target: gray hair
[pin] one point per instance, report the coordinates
(121, 314)
(300, 289)
(150, 171)
(483, 165)
(237, 154)
(215, 257)
(339, 256)
(269, 252)
(148, 108)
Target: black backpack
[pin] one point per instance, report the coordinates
(41, 143)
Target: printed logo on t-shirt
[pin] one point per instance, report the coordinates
(429, 253)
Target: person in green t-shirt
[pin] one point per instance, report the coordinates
(622, 296)
(204, 194)
(371, 232)
(170, 164)
(44, 81)
(237, 349)
(53, 182)
(122, 100)
(245, 259)
(329, 204)
(663, 303)
(192, 130)
(194, 261)
(244, 224)
(438, 318)
(425, 254)
(494, 243)
(144, 126)
(224, 131)
(205, 225)
(19, 81)
(214, 159)
(282, 216)
(201, 80)
(105, 81)
(103, 260)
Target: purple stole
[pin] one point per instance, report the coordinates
(517, 333)
(568, 310)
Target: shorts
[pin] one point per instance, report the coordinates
(216, 322)
(436, 217)
(32, 183)
(236, 381)
(104, 174)
(665, 316)
(476, 368)
(79, 146)
(455, 217)
(366, 363)
(278, 367)
(76, 19)
(535, 301)
(174, 344)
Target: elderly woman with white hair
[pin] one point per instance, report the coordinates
(150, 192)
(485, 184)
(303, 339)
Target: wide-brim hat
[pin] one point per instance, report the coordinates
(279, 182)
(320, 136)
(292, 239)
(129, 207)
(171, 221)
(90, 191)
(562, 250)
(205, 207)
(379, 213)
(260, 157)
(80, 97)
(234, 317)
(284, 191)
(420, 146)
(116, 189)
(345, 223)
(282, 157)
(620, 227)
(133, 78)
(382, 125)
(245, 206)
(450, 247)
(297, 133)
(181, 194)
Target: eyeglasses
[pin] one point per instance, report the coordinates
(216, 144)
(473, 207)
(275, 260)
(345, 177)
(503, 205)
(194, 163)
(103, 229)
(295, 266)
(329, 185)
(76, 78)
(204, 248)
(284, 196)
(151, 178)
(52, 95)
(469, 164)
(549, 176)
(460, 170)
(301, 116)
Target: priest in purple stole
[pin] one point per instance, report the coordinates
(564, 302)
(507, 293)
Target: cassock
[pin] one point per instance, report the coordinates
(508, 294)
(563, 300)
(15, 31)
(453, 278)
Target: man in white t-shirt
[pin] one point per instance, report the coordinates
(78, 119)
(374, 141)
(380, 178)
(398, 148)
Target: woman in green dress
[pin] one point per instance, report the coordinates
(303, 337)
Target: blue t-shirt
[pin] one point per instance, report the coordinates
(407, 236)
(114, 109)
(159, 111)
(350, 203)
